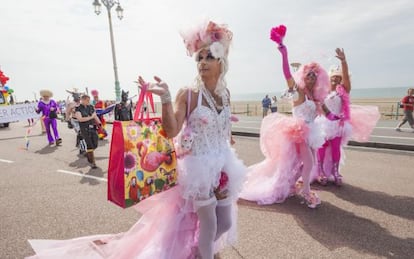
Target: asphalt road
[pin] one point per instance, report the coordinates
(51, 193)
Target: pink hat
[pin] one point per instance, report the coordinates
(94, 93)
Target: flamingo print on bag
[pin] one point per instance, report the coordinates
(150, 161)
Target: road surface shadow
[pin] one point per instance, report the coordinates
(47, 150)
(103, 142)
(97, 172)
(334, 227)
(401, 206)
(80, 162)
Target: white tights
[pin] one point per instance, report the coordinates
(215, 219)
(223, 213)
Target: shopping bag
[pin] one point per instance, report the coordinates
(142, 160)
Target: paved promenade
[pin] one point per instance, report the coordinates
(51, 193)
(384, 134)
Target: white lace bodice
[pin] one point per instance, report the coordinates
(306, 111)
(334, 103)
(211, 129)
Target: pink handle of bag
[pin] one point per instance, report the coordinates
(144, 96)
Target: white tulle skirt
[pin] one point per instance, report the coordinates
(200, 175)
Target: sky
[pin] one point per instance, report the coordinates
(59, 45)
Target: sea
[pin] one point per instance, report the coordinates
(361, 93)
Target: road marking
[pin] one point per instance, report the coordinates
(6, 161)
(83, 175)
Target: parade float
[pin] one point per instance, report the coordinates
(9, 110)
(6, 97)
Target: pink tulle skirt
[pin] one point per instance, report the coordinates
(272, 180)
(167, 229)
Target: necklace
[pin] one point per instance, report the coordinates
(211, 101)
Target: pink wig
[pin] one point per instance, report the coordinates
(321, 87)
(94, 93)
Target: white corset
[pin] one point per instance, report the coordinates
(211, 130)
(334, 103)
(305, 111)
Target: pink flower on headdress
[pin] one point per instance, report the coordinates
(278, 33)
(215, 32)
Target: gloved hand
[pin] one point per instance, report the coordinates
(285, 63)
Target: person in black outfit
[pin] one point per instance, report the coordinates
(73, 123)
(88, 123)
(123, 110)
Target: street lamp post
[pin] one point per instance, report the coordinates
(109, 4)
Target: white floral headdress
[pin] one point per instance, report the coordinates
(335, 71)
(209, 34)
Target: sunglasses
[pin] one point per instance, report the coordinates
(311, 74)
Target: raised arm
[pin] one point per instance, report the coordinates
(172, 121)
(285, 65)
(346, 82)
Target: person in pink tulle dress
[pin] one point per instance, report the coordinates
(196, 218)
(289, 143)
(337, 123)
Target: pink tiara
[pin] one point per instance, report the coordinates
(206, 34)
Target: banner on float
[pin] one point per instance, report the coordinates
(18, 112)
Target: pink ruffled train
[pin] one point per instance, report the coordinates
(167, 229)
(363, 121)
(273, 179)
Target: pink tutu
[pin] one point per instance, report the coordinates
(272, 180)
